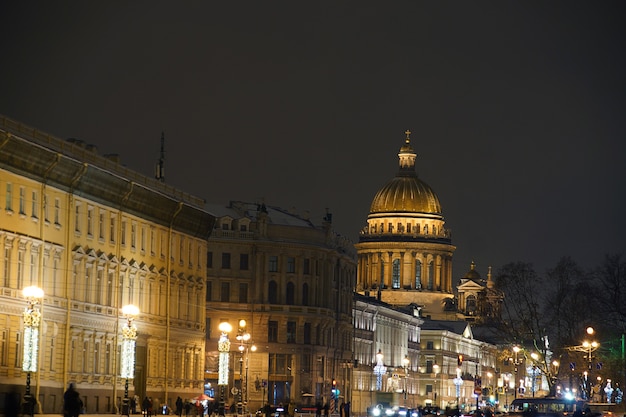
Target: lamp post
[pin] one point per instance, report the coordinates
(516, 362)
(458, 381)
(589, 346)
(379, 370)
(506, 378)
(436, 371)
(32, 319)
(405, 364)
(244, 339)
(223, 346)
(129, 338)
(535, 358)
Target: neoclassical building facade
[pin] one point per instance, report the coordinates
(292, 282)
(405, 251)
(96, 236)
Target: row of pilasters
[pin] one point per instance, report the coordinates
(376, 268)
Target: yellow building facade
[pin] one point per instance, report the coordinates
(292, 282)
(96, 236)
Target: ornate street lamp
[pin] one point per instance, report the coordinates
(223, 346)
(533, 385)
(379, 370)
(436, 369)
(516, 362)
(589, 346)
(244, 339)
(405, 364)
(129, 338)
(458, 381)
(32, 319)
(506, 378)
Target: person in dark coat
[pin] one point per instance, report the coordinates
(12, 403)
(72, 404)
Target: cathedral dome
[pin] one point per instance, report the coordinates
(406, 193)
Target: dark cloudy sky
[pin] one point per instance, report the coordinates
(517, 108)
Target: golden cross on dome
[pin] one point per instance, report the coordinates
(408, 134)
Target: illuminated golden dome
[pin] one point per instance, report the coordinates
(406, 192)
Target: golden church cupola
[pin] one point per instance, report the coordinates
(405, 251)
(406, 205)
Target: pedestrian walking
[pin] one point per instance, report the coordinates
(72, 404)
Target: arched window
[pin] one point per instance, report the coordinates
(290, 296)
(395, 274)
(272, 292)
(470, 305)
(431, 276)
(418, 274)
(305, 294)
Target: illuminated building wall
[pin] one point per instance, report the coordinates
(95, 236)
(292, 281)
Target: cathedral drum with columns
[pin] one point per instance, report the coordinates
(405, 251)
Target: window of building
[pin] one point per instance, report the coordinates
(96, 358)
(22, 200)
(243, 293)
(46, 209)
(395, 274)
(470, 305)
(34, 205)
(305, 294)
(307, 333)
(107, 359)
(273, 263)
(306, 266)
(272, 331)
(101, 225)
(133, 235)
(8, 204)
(4, 347)
(272, 290)
(431, 276)
(123, 233)
(225, 293)
(225, 260)
(57, 211)
(291, 264)
(89, 221)
(243, 261)
(209, 259)
(289, 295)
(429, 366)
(20, 268)
(418, 274)
(77, 218)
(112, 229)
(430, 345)
(291, 332)
(52, 352)
(209, 291)
(7, 266)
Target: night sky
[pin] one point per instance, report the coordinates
(517, 108)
